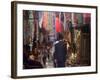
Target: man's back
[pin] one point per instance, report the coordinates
(60, 51)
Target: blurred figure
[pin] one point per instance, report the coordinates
(32, 62)
(44, 55)
(60, 51)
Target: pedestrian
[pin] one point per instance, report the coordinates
(60, 51)
(44, 55)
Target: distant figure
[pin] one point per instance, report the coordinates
(44, 56)
(60, 51)
(32, 63)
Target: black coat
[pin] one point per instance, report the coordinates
(60, 51)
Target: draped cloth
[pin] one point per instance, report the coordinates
(58, 25)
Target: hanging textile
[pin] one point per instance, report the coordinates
(40, 19)
(62, 21)
(67, 18)
(75, 20)
(80, 18)
(57, 24)
(26, 29)
(86, 18)
(50, 23)
(45, 20)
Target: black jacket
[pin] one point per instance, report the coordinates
(60, 51)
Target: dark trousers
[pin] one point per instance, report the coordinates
(60, 64)
(44, 60)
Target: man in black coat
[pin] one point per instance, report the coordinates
(60, 51)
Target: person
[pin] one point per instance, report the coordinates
(44, 55)
(32, 63)
(60, 51)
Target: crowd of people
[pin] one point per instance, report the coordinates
(53, 54)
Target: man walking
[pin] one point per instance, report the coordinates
(60, 51)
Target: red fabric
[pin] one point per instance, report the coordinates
(58, 25)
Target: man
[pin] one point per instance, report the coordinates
(60, 51)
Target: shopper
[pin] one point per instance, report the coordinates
(60, 51)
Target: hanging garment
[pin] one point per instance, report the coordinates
(58, 25)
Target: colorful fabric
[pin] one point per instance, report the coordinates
(58, 25)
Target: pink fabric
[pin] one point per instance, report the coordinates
(87, 18)
(45, 20)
